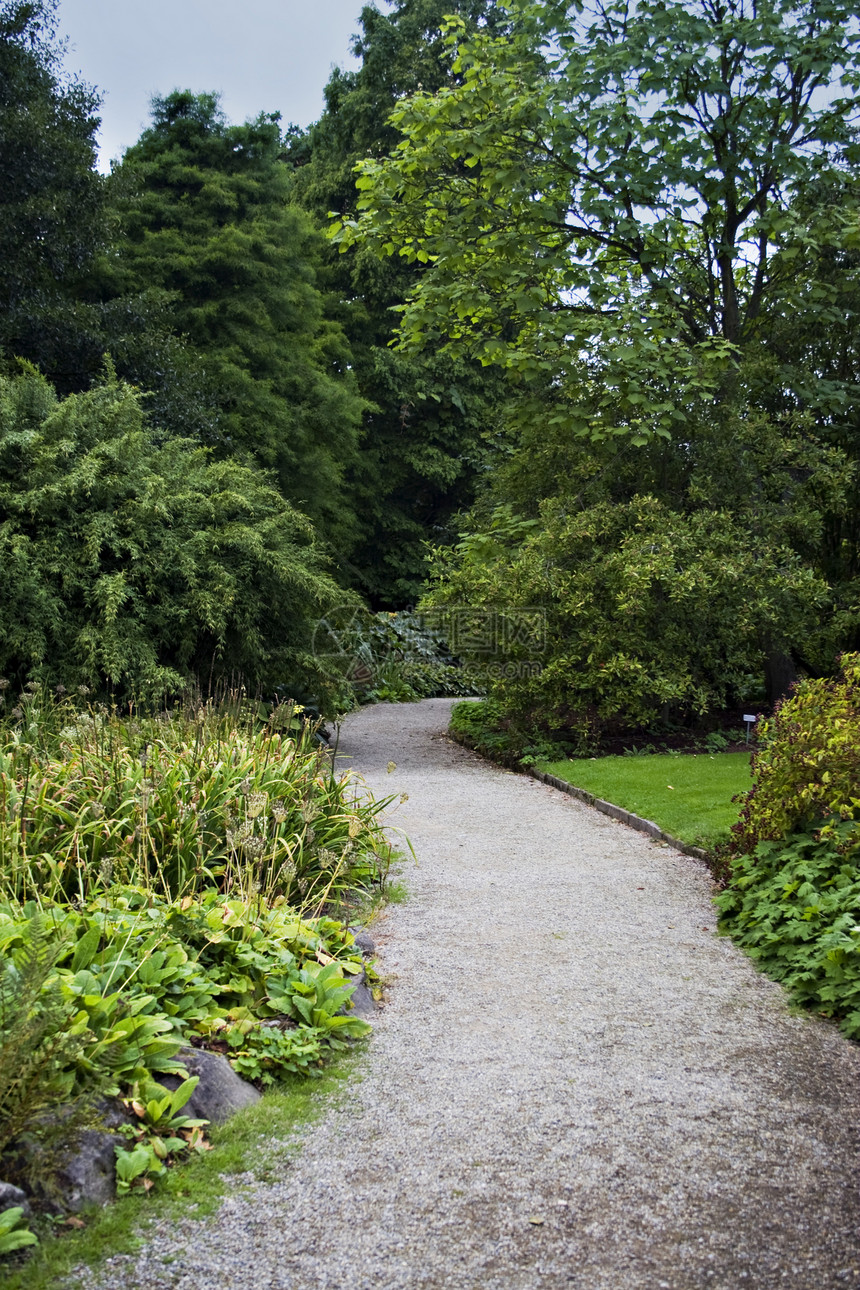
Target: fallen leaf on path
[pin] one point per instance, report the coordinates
(536, 1222)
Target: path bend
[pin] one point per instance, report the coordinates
(575, 1083)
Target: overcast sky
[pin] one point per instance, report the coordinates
(262, 55)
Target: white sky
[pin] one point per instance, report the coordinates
(261, 55)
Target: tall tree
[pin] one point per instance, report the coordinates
(203, 207)
(615, 182)
(422, 443)
(51, 198)
(609, 202)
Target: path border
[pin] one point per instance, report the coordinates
(617, 813)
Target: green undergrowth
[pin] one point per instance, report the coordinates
(253, 1142)
(173, 878)
(690, 797)
(793, 899)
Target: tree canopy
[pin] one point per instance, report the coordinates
(422, 442)
(616, 184)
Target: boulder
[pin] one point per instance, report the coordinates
(87, 1176)
(12, 1197)
(220, 1092)
(81, 1171)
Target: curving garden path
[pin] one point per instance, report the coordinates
(575, 1083)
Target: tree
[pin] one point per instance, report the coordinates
(422, 444)
(137, 564)
(203, 208)
(607, 197)
(52, 218)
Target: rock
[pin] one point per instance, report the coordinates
(12, 1197)
(220, 1092)
(88, 1176)
(363, 1002)
(363, 942)
(82, 1171)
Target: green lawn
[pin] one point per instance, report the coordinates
(688, 796)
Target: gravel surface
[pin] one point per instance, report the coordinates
(575, 1082)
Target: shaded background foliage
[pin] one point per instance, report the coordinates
(687, 376)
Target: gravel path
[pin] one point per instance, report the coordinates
(575, 1083)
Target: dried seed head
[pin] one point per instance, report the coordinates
(257, 803)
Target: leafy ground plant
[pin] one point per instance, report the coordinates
(690, 797)
(243, 1145)
(794, 905)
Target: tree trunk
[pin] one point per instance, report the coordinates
(780, 674)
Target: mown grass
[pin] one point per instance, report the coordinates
(253, 1141)
(688, 796)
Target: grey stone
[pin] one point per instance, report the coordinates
(11, 1197)
(363, 1002)
(220, 1092)
(82, 1171)
(363, 942)
(88, 1177)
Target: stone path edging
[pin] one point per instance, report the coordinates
(618, 813)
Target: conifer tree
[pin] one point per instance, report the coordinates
(204, 210)
(51, 198)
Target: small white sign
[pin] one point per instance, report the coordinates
(750, 716)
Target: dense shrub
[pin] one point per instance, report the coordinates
(132, 561)
(620, 615)
(793, 900)
(807, 763)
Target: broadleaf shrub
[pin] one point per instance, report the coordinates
(617, 616)
(806, 766)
